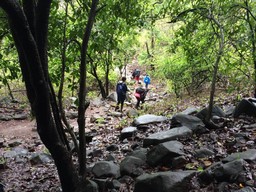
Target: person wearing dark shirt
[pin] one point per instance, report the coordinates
(121, 89)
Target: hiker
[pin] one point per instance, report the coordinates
(121, 89)
(136, 75)
(140, 94)
(146, 81)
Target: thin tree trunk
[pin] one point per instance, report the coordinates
(82, 90)
(216, 66)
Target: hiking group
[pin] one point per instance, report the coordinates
(140, 93)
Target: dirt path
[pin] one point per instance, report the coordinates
(17, 128)
(26, 128)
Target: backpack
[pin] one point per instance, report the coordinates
(137, 73)
(140, 93)
(120, 88)
(146, 80)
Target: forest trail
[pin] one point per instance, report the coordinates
(26, 128)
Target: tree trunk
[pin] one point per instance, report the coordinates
(216, 66)
(82, 90)
(32, 62)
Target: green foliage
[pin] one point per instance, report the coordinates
(182, 42)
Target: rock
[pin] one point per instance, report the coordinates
(91, 186)
(103, 169)
(164, 182)
(132, 113)
(40, 158)
(245, 189)
(116, 114)
(163, 154)
(229, 109)
(21, 116)
(96, 102)
(112, 97)
(178, 162)
(112, 147)
(169, 135)
(72, 114)
(95, 153)
(15, 142)
(249, 155)
(228, 172)
(96, 118)
(147, 119)
(128, 132)
(192, 122)
(4, 117)
(216, 111)
(246, 107)
(203, 153)
(131, 166)
(189, 111)
(139, 153)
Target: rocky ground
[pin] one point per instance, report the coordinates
(26, 165)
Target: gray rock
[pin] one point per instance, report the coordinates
(132, 113)
(169, 135)
(147, 119)
(91, 186)
(4, 117)
(96, 118)
(178, 162)
(203, 153)
(15, 142)
(103, 169)
(190, 111)
(128, 132)
(96, 102)
(116, 114)
(245, 189)
(249, 155)
(164, 182)
(112, 147)
(229, 109)
(216, 111)
(40, 158)
(112, 97)
(163, 154)
(192, 122)
(131, 166)
(228, 172)
(139, 153)
(246, 107)
(20, 116)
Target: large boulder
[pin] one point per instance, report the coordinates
(131, 166)
(192, 122)
(147, 119)
(246, 107)
(228, 172)
(103, 169)
(169, 135)
(216, 111)
(164, 182)
(163, 153)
